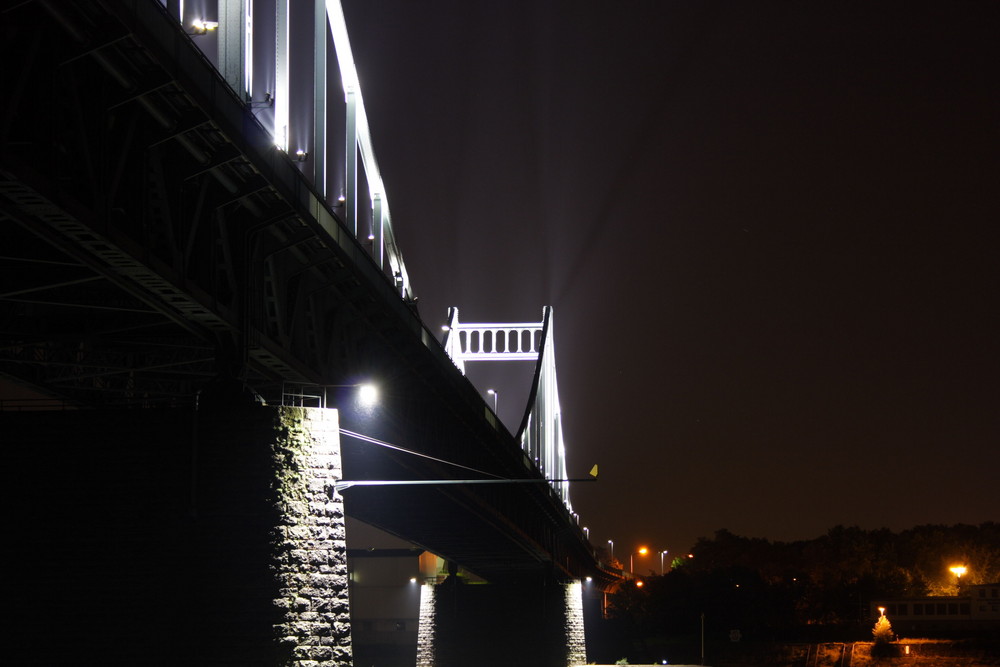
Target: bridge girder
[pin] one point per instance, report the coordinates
(133, 187)
(153, 237)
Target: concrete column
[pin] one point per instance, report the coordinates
(525, 624)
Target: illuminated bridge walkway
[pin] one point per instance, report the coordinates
(199, 269)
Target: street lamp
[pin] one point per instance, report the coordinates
(368, 394)
(612, 543)
(642, 552)
(496, 397)
(662, 554)
(299, 394)
(958, 571)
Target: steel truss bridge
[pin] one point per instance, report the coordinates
(192, 202)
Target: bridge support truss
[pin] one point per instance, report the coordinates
(157, 213)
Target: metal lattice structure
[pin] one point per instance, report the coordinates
(174, 223)
(540, 433)
(157, 229)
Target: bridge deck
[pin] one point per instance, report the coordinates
(154, 239)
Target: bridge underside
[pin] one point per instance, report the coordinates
(154, 241)
(156, 237)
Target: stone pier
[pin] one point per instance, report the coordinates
(169, 537)
(537, 624)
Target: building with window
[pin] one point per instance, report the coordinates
(977, 605)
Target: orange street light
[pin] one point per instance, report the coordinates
(642, 552)
(958, 571)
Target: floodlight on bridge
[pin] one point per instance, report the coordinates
(368, 394)
(202, 27)
(317, 395)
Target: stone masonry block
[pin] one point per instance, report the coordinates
(312, 562)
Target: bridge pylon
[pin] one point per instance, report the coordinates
(540, 432)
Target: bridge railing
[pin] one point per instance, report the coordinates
(491, 342)
(298, 114)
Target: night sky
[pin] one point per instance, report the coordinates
(767, 231)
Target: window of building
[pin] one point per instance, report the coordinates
(953, 608)
(965, 609)
(942, 608)
(918, 609)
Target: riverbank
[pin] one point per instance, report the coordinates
(908, 652)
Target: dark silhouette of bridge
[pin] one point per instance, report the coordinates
(158, 246)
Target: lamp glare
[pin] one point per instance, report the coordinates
(368, 394)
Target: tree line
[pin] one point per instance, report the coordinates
(768, 589)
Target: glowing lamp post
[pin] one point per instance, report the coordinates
(296, 394)
(662, 554)
(368, 394)
(612, 543)
(642, 552)
(958, 571)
